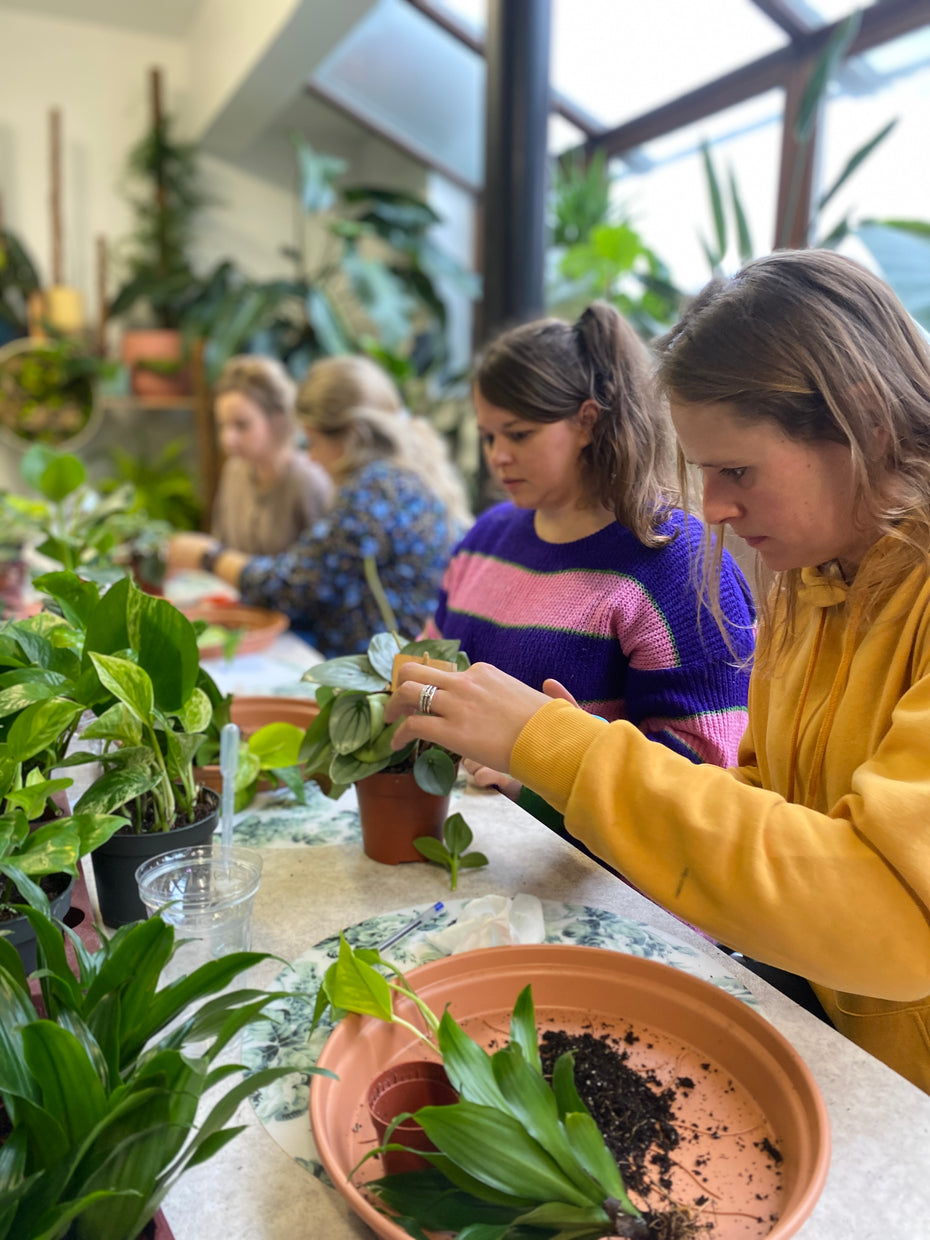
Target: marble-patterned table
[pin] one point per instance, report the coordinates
(318, 883)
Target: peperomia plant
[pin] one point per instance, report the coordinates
(452, 850)
(551, 1173)
(349, 739)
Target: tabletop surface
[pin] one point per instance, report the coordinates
(878, 1184)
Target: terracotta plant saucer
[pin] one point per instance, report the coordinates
(257, 625)
(751, 1092)
(251, 713)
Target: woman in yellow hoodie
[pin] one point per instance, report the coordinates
(800, 389)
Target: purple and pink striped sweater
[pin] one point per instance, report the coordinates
(616, 622)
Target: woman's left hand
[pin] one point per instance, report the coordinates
(478, 713)
(186, 549)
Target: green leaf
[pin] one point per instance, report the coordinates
(716, 202)
(588, 1144)
(17, 697)
(855, 160)
(39, 727)
(166, 643)
(468, 1065)
(119, 723)
(350, 722)
(350, 672)
(824, 68)
(78, 598)
(128, 682)
(435, 647)
(381, 651)
(277, 744)
(71, 1090)
(115, 788)
(457, 833)
(196, 713)
(523, 1028)
(357, 987)
(435, 771)
(433, 850)
(53, 474)
(465, 1132)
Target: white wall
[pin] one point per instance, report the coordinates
(97, 76)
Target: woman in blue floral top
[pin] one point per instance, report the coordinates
(397, 499)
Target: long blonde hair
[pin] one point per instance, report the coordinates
(264, 381)
(820, 346)
(351, 399)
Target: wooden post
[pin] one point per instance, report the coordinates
(796, 175)
(103, 305)
(58, 275)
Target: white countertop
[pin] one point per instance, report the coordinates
(878, 1185)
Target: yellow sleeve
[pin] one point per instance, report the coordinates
(841, 898)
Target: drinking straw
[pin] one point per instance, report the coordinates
(229, 761)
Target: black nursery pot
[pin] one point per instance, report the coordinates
(20, 930)
(115, 862)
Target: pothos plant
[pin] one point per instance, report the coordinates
(551, 1174)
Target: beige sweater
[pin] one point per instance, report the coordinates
(266, 522)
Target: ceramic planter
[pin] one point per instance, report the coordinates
(115, 863)
(394, 811)
(407, 1087)
(20, 932)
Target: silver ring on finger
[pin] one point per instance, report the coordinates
(425, 700)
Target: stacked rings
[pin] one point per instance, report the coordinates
(427, 693)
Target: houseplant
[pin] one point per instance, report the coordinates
(132, 661)
(48, 391)
(551, 1167)
(19, 280)
(72, 523)
(402, 795)
(40, 841)
(102, 1095)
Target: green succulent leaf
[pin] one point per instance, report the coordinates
(381, 651)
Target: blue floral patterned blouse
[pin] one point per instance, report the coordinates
(319, 581)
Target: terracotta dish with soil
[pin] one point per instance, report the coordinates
(737, 1135)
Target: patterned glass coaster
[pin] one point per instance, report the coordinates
(283, 1040)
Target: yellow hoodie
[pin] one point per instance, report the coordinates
(814, 853)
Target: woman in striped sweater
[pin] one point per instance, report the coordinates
(589, 574)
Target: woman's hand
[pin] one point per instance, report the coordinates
(487, 777)
(478, 713)
(186, 549)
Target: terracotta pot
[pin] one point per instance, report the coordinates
(258, 626)
(115, 863)
(156, 345)
(251, 713)
(746, 1073)
(407, 1087)
(394, 811)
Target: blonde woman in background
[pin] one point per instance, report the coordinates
(397, 499)
(269, 491)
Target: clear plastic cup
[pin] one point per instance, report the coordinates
(206, 895)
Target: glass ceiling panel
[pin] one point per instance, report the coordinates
(618, 61)
(428, 92)
(669, 203)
